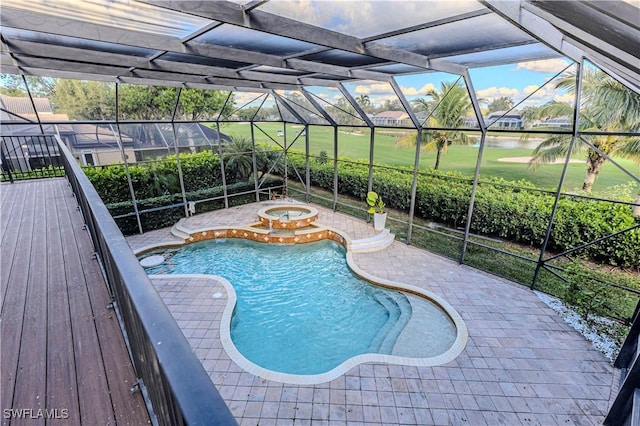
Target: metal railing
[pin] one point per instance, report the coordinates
(29, 157)
(625, 409)
(173, 380)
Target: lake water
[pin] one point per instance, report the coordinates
(509, 142)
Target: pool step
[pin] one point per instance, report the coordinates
(379, 241)
(178, 230)
(403, 315)
(399, 309)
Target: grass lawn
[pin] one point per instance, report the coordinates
(461, 159)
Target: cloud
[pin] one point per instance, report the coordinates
(545, 65)
(366, 18)
(492, 93)
(242, 98)
(412, 91)
(374, 89)
(534, 93)
(567, 97)
(379, 101)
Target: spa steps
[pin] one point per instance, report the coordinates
(377, 242)
(178, 230)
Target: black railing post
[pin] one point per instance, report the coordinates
(5, 163)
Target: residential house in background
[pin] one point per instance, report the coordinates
(91, 144)
(391, 119)
(505, 120)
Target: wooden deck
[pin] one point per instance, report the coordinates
(62, 351)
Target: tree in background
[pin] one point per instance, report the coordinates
(344, 113)
(95, 100)
(607, 106)
(530, 114)
(84, 100)
(453, 106)
(12, 85)
(40, 87)
(138, 102)
(365, 103)
(391, 105)
(196, 104)
(503, 103)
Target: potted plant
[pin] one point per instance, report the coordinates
(376, 207)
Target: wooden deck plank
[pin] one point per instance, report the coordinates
(129, 408)
(32, 363)
(12, 215)
(94, 406)
(10, 205)
(9, 195)
(61, 348)
(62, 390)
(31, 383)
(13, 307)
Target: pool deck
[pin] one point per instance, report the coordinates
(523, 365)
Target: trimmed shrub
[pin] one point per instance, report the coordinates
(514, 211)
(519, 214)
(167, 217)
(158, 178)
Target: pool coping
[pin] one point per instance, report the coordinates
(460, 342)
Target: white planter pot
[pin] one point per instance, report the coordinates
(379, 220)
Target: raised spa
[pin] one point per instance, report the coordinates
(287, 216)
(300, 309)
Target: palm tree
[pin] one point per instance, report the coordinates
(607, 106)
(238, 157)
(364, 101)
(503, 103)
(453, 105)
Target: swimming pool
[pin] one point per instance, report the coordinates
(300, 309)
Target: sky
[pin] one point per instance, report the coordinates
(516, 81)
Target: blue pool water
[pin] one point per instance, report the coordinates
(299, 308)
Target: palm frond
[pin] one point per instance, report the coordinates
(422, 104)
(616, 104)
(406, 141)
(429, 146)
(555, 109)
(630, 149)
(548, 155)
(553, 141)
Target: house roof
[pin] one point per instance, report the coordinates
(394, 115)
(23, 106)
(504, 114)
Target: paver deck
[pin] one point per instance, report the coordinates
(523, 365)
(62, 353)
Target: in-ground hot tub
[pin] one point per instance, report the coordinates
(287, 216)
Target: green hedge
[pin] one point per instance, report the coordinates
(515, 214)
(199, 170)
(167, 217)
